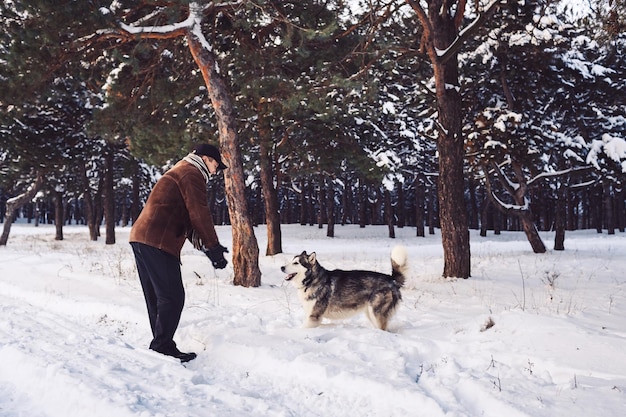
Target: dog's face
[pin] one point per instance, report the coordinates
(296, 269)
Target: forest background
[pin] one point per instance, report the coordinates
(494, 115)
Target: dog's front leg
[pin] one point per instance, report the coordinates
(311, 322)
(314, 317)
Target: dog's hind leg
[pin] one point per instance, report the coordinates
(381, 308)
(375, 319)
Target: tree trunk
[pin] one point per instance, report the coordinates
(596, 203)
(90, 212)
(59, 214)
(560, 215)
(303, 204)
(485, 212)
(571, 214)
(330, 212)
(3, 206)
(441, 33)
(430, 206)
(37, 213)
(135, 207)
(321, 202)
(124, 215)
(420, 196)
(400, 207)
(608, 207)
(362, 190)
(440, 24)
(270, 195)
(523, 212)
(450, 145)
(345, 199)
(620, 209)
(531, 232)
(497, 222)
(389, 214)
(473, 219)
(377, 204)
(245, 256)
(14, 204)
(109, 197)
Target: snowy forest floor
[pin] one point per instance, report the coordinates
(526, 335)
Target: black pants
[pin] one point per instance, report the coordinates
(159, 273)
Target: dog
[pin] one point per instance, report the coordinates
(340, 294)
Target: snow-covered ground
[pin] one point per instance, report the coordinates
(526, 335)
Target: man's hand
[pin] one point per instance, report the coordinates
(216, 255)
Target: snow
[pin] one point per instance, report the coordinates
(613, 146)
(526, 335)
(389, 108)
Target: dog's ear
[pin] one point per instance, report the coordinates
(312, 258)
(303, 253)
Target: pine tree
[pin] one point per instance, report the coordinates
(441, 40)
(47, 103)
(538, 100)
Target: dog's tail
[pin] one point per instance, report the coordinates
(399, 265)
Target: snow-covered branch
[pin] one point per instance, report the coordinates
(614, 147)
(583, 184)
(511, 207)
(194, 18)
(557, 173)
(505, 180)
(142, 28)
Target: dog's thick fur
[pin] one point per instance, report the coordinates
(339, 294)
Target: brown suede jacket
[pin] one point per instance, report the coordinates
(177, 205)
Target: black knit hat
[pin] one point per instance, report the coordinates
(210, 151)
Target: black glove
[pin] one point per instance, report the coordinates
(216, 255)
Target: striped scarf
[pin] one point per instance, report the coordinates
(197, 161)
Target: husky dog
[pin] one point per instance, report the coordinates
(339, 294)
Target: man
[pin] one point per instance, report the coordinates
(177, 209)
